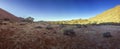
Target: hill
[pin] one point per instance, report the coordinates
(4, 15)
(110, 16)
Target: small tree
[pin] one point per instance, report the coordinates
(29, 19)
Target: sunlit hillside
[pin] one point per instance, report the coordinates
(111, 15)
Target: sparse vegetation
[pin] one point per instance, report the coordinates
(84, 26)
(61, 25)
(47, 37)
(49, 27)
(29, 19)
(107, 34)
(78, 26)
(22, 23)
(4, 22)
(39, 27)
(6, 19)
(68, 32)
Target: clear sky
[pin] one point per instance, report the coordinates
(57, 9)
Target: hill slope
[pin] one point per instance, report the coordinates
(111, 15)
(6, 15)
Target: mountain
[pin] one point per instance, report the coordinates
(4, 15)
(111, 15)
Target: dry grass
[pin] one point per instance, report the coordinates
(17, 36)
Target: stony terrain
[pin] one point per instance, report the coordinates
(50, 36)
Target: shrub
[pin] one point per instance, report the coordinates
(4, 23)
(84, 26)
(49, 27)
(61, 25)
(78, 26)
(22, 23)
(69, 32)
(29, 19)
(38, 27)
(107, 34)
(6, 19)
(0, 22)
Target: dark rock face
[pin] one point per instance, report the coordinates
(6, 16)
(107, 34)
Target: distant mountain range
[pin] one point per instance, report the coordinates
(110, 16)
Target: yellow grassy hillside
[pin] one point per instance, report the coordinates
(111, 15)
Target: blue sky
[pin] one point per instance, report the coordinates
(53, 10)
